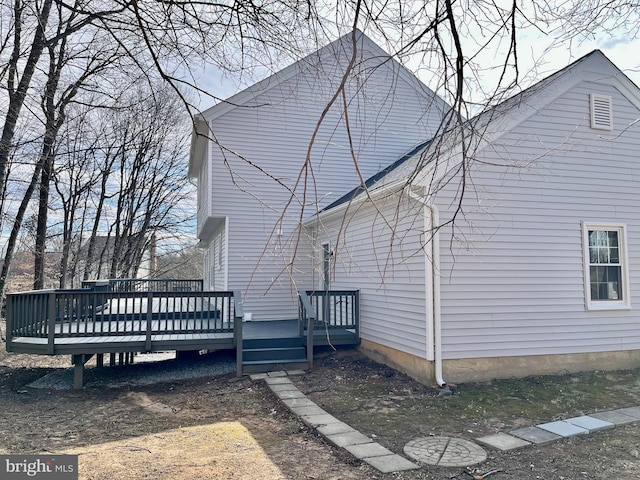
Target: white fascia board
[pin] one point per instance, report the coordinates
(487, 131)
(615, 78)
(199, 142)
(252, 92)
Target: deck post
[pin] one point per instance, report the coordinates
(307, 312)
(357, 314)
(147, 343)
(78, 375)
(238, 316)
(310, 325)
(51, 320)
(78, 369)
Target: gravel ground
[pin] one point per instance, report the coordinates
(146, 370)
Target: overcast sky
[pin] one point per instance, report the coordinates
(540, 54)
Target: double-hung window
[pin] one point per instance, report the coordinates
(606, 284)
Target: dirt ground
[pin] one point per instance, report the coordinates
(226, 428)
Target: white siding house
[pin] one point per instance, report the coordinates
(534, 266)
(259, 173)
(542, 273)
(506, 246)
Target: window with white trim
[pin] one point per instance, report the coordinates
(606, 284)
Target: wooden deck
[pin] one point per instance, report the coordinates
(111, 320)
(123, 336)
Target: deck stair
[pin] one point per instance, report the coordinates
(269, 354)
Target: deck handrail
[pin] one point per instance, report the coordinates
(55, 314)
(336, 308)
(146, 284)
(307, 317)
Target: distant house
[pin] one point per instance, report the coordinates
(133, 257)
(531, 268)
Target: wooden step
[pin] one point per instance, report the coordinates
(271, 354)
(262, 366)
(286, 353)
(255, 343)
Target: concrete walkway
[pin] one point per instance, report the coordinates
(333, 430)
(571, 427)
(447, 451)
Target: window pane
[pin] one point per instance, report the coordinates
(605, 283)
(597, 274)
(603, 246)
(603, 255)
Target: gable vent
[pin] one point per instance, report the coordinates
(601, 112)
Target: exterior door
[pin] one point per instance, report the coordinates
(326, 266)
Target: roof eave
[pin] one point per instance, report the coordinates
(199, 137)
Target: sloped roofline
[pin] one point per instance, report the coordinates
(508, 113)
(371, 181)
(201, 133)
(250, 93)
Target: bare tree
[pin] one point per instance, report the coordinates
(90, 61)
(167, 39)
(122, 182)
(164, 37)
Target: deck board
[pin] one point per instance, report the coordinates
(103, 335)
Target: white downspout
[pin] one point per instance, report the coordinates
(437, 319)
(435, 278)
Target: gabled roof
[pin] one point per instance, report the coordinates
(343, 44)
(251, 96)
(498, 120)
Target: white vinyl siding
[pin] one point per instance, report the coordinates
(204, 194)
(208, 284)
(266, 143)
(512, 263)
(380, 252)
(218, 259)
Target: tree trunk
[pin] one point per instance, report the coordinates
(41, 229)
(17, 96)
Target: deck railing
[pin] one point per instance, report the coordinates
(321, 310)
(85, 312)
(146, 285)
(335, 308)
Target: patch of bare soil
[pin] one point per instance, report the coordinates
(221, 427)
(394, 409)
(208, 428)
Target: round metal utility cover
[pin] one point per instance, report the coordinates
(445, 451)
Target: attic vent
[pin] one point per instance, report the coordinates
(601, 112)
